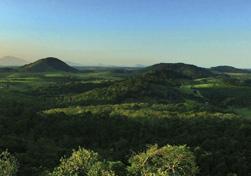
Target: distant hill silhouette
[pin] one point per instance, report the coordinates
(177, 71)
(10, 61)
(229, 69)
(49, 64)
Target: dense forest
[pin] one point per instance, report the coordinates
(163, 120)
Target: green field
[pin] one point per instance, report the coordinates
(244, 112)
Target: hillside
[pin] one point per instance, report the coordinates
(178, 71)
(118, 112)
(229, 69)
(159, 82)
(49, 64)
(10, 61)
(132, 89)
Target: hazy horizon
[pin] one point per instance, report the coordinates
(92, 32)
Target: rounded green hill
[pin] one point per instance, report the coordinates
(49, 64)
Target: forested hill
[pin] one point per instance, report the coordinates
(179, 70)
(229, 69)
(49, 64)
(159, 82)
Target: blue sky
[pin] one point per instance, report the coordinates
(128, 32)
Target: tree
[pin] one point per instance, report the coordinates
(83, 163)
(8, 164)
(166, 161)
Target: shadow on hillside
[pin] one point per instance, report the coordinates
(220, 144)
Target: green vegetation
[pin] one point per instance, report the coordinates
(180, 70)
(83, 162)
(228, 69)
(168, 160)
(244, 112)
(49, 64)
(8, 164)
(196, 122)
(165, 161)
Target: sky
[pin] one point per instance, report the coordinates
(128, 32)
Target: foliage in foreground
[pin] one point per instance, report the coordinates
(8, 164)
(83, 162)
(166, 161)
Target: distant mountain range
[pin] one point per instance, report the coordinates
(11, 61)
(54, 64)
(49, 64)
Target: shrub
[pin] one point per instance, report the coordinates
(166, 161)
(8, 164)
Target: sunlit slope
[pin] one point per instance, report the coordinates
(159, 82)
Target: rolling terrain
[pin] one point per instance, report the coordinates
(49, 109)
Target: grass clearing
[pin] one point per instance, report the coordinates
(243, 112)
